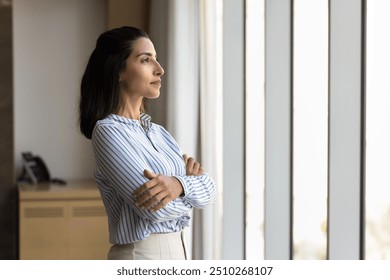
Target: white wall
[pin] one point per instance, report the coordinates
(52, 41)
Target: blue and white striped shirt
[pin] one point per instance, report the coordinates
(123, 149)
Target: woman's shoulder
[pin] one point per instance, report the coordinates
(110, 125)
(114, 120)
(105, 122)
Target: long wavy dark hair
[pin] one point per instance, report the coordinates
(100, 88)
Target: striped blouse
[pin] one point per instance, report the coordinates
(123, 148)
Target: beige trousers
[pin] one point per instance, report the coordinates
(164, 246)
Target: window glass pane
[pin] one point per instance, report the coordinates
(378, 130)
(310, 128)
(254, 232)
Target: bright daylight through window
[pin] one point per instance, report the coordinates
(310, 128)
(378, 130)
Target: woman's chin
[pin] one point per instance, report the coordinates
(154, 96)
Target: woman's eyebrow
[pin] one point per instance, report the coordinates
(145, 53)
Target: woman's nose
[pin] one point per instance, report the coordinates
(159, 70)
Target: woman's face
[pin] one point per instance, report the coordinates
(142, 76)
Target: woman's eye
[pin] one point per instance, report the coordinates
(145, 60)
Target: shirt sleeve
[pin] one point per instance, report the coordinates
(199, 191)
(121, 165)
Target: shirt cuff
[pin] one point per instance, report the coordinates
(184, 184)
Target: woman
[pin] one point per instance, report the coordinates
(147, 185)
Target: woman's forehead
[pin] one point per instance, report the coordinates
(143, 46)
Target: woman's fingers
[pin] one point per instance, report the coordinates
(145, 188)
(157, 192)
(154, 201)
(185, 157)
(149, 174)
(144, 193)
(192, 166)
(161, 204)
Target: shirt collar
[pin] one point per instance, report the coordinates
(145, 120)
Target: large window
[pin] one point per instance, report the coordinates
(325, 157)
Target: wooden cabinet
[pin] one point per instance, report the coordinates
(62, 222)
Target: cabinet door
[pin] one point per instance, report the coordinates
(88, 230)
(43, 230)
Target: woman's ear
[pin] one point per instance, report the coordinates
(120, 76)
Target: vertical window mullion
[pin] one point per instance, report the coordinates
(278, 129)
(233, 130)
(345, 127)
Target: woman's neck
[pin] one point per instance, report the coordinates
(130, 109)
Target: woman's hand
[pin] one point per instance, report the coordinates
(192, 167)
(159, 191)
